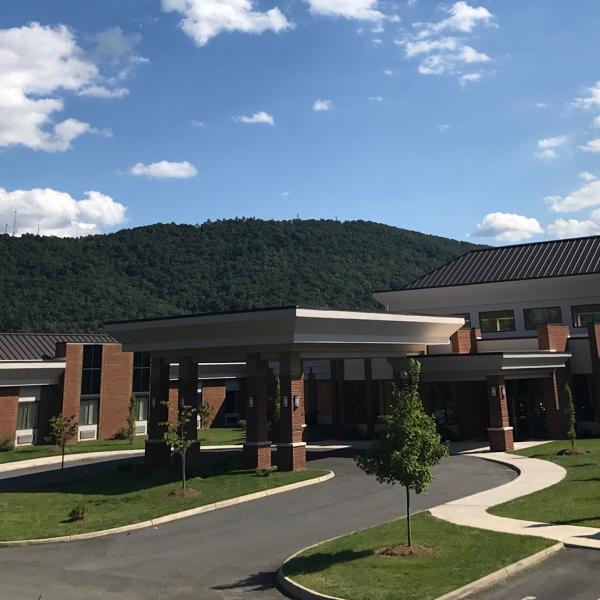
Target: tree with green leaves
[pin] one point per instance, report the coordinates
(63, 429)
(131, 419)
(205, 411)
(409, 445)
(177, 436)
(276, 411)
(571, 418)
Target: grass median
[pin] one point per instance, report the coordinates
(128, 493)
(573, 501)
(349, 567)
(217, 436)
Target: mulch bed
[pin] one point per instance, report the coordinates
(402, 551)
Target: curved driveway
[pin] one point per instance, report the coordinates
(231, 553)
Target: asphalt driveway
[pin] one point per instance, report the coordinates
(232, 553)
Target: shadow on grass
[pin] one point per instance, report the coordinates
(258, 582)
(303, 565)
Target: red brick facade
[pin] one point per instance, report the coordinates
(213, 393)
(70, 386)
(553, 337)
(9, 406)
(257, 449)
(115, 390)
(500, 433)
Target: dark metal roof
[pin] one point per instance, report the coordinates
(41, 346)
(556, 258)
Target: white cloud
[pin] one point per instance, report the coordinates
(546, 147)
(507, 227)
(58, 213)
(591, 100)
(363, 10)
(587, 176)
(202, 20)
(584, 197)
(36, 61)
(285, 194)
(567, 228)
(591, 146)
(388, 72)
(259, 117)
(541, 105)
(451, 63)
(322, 105)
(101, 91)
(469, 78)
(416, 47)
(199, 124)
(596, 121)
(165, 170)
(442, 127)
(463, 18)
(378, 99)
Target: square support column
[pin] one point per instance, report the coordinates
(291, 450)
(257, 448)
(188, 396)
(157, 451)
(500, 433)
(369, 408)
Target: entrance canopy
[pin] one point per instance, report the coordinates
(311, 333)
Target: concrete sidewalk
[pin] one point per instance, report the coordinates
(534, 475)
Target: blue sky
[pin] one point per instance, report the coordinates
(472, 120)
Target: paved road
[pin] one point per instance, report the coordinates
(571, 574)
(228, 554)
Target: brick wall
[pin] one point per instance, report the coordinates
(213, 392)
(70, 385)
(115, 390)
(553, 337)
(9, 406)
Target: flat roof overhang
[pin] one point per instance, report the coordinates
(313, 333)
(476, 367)
(16, 373)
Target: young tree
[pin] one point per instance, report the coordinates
(62, 429)
(205, 411)
(176, 436)
(409, 444)
(131, 419)
(571, 419)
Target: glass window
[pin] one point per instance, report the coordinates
(141, 372)
(540, 316)
(585, 314)
(497, 320)
(466, 317)
(27, 417)
(92, 368)
(88, 411)
(141, 408)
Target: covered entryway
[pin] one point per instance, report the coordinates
(287, 336)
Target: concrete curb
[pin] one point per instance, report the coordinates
(300, 592)
(174, 516)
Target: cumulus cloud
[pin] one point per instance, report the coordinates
(591, 99)
(546, 147)
(58, 213)
(587, 176)
(165, 170)
(322, 105)
(260, 117)
(584, 197)
(203, 20)
(388, 72)
(567, 228)
(441, 47)
(101, 91)
(596, 121)
(507, 227)
(363, 10)
(591, 146)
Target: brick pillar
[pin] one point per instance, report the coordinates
(70, 386)
(464, 341)
(370, 409)
(553, 391)
(553, 337)
(115, 390)
(337, 376)
(158, 452)
(9, 407)
(257, 448)
(594, 340)
(500, 433)
(291, 450)
(188, 396)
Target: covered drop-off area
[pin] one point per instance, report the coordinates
(285, 337)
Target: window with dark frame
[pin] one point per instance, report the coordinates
(28, 415)
(541, 316)
(585, 314)
(91, 376)
(497, 321)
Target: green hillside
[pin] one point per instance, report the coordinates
(53, 284)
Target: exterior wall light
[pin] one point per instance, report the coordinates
(285, 401)
(493, 391)
(296, 401)
(250, 401)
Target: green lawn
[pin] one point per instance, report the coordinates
(119, 497)
(573, 501)
(215, 437)
(349, 568)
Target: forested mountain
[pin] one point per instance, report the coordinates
(75, 284)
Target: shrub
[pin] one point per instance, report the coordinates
(242, 423)
(121, 434)
(77, 513)
(263, 472)
(6, 445)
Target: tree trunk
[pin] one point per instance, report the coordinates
(408, 531)
(183, 470)
(62, 459)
